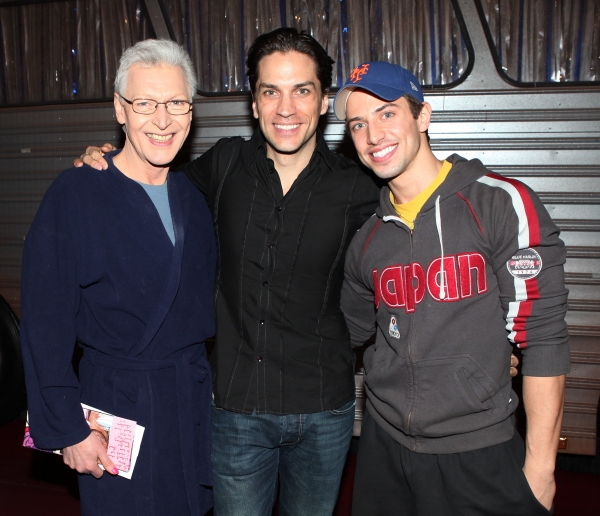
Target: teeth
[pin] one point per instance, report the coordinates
(384, 152)
(287, 127)
(160, 137)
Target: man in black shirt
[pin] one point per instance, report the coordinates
(285, 209)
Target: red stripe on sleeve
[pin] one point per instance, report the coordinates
(531, 214)
(525, 309)
(532, 289)
(519, 324)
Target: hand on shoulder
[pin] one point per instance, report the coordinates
(93, 156)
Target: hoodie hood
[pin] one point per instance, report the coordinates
(463, 173)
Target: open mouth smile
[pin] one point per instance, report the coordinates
(160, 138)
(287, 127)
(384, 152)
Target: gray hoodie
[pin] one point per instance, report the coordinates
(482, 271)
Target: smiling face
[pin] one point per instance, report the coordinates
(387, 137)
(152, 140)
(288, 103)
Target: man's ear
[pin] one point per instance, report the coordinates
(254, 108)
(325, 102)
(119, 109)
(424, 117)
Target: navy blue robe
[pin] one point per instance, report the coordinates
(99, 269)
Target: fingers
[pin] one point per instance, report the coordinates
(107, 147)
(86, 456)
(82, 461)
(514, 362)
(108, 464)
(96, 472)
(94, 158)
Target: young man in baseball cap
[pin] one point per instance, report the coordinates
(458, 266)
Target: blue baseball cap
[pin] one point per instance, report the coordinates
(384, 80)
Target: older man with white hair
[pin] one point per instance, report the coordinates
(123, 262)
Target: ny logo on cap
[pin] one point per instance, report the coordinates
(358, 72)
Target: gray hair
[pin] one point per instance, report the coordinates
(155, 52)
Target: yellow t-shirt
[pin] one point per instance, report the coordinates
(408, 211)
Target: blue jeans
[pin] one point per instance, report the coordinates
(308, 451)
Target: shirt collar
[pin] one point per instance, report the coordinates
(257, 142)
(324, 150)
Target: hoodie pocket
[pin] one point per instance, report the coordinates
(387, 383)
(453, 395)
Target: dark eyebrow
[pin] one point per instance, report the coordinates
(378, 110)
(275, 87)
(307, 83)
(385, 106)
(350, 120)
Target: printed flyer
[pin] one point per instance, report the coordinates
(121, 437)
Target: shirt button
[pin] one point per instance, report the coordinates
(259, 358)
(262, 322)
(278, 208)
(265, 283)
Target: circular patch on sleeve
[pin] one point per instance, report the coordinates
(526, 264)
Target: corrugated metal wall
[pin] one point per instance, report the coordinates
(548, 138)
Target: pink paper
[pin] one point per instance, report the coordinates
(120, 442)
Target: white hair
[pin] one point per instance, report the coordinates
(152, 53)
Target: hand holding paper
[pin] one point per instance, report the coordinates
(113, 444)
(86, 455)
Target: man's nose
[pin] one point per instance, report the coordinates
(286, 106)
(162, 118)
(374, 134)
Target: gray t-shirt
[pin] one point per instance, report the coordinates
(159, 195)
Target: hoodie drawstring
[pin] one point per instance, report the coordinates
(438, 224)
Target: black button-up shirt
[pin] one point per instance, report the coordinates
(282, 345)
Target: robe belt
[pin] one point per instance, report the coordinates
(190, 366)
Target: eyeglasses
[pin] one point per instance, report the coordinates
(149, 106)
